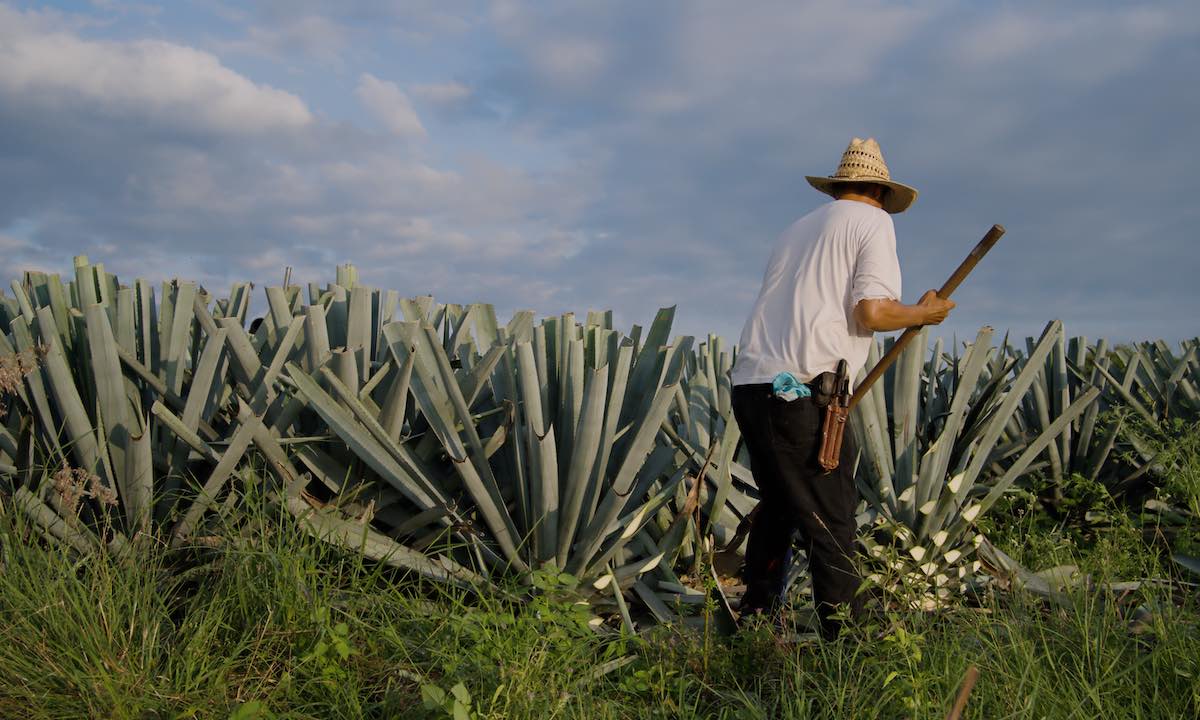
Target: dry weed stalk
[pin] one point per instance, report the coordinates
(73, 484)
(13, 369)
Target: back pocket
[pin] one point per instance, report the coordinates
(795, 424)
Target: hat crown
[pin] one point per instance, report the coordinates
(862, 160)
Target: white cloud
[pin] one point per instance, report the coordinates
(9, 244)
(117, 170)
(571, 61)
(802, 45)
(1073, 46)
(18, 256)
(443, 94)
(390, 106)
(383, 181)
(669, 59)
(124, 6)
(171, 84)
(567, 48)
(315, 36)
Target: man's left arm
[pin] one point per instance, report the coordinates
(884, 315)
(876, 294)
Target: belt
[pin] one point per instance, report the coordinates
(813, 384)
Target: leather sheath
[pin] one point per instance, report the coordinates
(832, 431)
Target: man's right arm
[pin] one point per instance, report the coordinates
(883, 315)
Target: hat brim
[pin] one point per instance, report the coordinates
(899, 199)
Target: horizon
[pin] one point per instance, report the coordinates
(258, 309)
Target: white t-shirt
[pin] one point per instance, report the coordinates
(803, 321)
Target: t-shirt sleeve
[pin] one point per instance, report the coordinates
(877, 269)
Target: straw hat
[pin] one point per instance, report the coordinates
(863, 162)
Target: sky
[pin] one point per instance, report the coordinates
(573, 156)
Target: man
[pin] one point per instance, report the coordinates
(833, 279)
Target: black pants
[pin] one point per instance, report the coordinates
(784, 439)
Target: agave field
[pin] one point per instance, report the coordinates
(469, 450)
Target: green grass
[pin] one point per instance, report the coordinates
(276, 624)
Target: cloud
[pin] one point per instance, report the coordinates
(123, 177)
(581, 155)
(113, 6)
(390, 106)
(626, 56)
(1076, 46)
(697, 124)
(172, 85)
(443, 94)
(311, 35)
(333, 33)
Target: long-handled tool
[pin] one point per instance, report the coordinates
(838, 409)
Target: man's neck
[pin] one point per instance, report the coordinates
(861, 198)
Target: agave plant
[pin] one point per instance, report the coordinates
(929, 488)
(426, 435)
(1085, 446)
(1154, 387)
(700, 426)
(1145, 381)
(940, 440)
(435, 438)
(544, 443)
(1156, 383)
(143, 413)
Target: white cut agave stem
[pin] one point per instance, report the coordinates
(440, 397)
(201, 400)
(109, 385)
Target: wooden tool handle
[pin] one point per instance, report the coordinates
(906, 337)
(968, 684)
(971, 261)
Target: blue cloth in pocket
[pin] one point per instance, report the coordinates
(787, 387)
